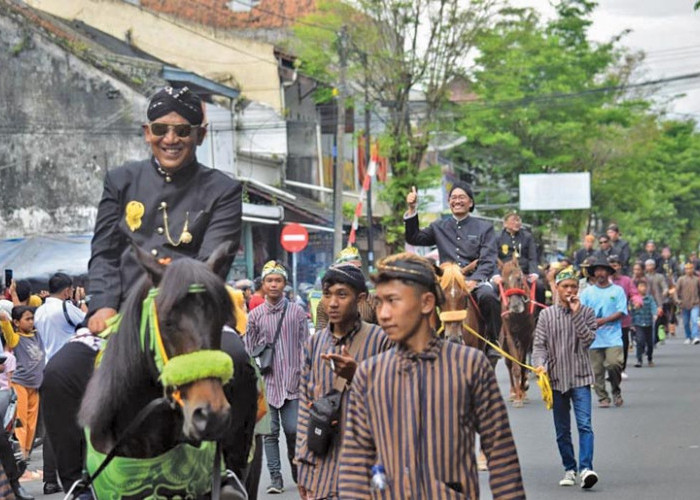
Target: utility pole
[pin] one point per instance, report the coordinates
(340, 149)
(368, 158)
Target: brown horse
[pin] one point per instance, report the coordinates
(518, 326)
(458, 309)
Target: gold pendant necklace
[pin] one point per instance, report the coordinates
(185, 235)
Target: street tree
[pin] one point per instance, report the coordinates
(407, 53)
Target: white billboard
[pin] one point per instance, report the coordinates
(555, 191)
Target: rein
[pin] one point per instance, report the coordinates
(173, 372)
(529, 297)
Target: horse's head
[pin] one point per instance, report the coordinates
(189, 308)
(515, 291)
(453, 311)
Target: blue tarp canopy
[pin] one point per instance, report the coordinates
(36, 258)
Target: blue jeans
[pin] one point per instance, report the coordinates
(690, 322)
(288, 414)
(581, 399)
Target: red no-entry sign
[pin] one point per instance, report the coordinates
(294, 238)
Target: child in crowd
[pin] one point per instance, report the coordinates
(27, 378)
(643, 318)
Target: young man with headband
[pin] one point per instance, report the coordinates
(330, 361)
(415, 409)
(563, 335)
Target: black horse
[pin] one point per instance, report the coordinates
(192, 307)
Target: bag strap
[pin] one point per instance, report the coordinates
(66, 315)
(279, 325)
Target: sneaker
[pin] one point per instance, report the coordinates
(696, 341)
(624, 375)
(588, 478)
(651, 364)
(618, 400)
(638, 364)
(686, 341)
(604, 403)
(569, 478)
(276, 487)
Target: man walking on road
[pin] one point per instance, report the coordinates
(564, 333)
(414, 409)
(466, 241)
(282, 323)
(688, 290)
(619, 247)
(330, 361)
(609, 303)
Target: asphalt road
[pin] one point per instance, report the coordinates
(647, 449)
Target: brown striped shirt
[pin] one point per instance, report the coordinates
(320, 474)
(417, 414)
(561, 345)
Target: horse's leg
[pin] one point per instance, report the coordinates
(515, 370)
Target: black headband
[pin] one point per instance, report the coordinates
(348, 274)
(181, 100)
(410, 270)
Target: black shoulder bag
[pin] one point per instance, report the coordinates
(324, 422)
(264, 353)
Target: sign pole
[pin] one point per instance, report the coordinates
(294, 273)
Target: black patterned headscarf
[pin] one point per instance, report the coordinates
(181, 100)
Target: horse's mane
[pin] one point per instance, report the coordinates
(452, 273)
(125, 375)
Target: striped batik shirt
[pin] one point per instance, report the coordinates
(561, 345)
(417, 415)
(283, 382)
(319, 475)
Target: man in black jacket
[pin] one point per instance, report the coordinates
(169, 205)
(513, 239)
(466, 241)
(620, 247)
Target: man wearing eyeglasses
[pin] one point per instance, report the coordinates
(605, 248)
(170, 205)
(466, 241)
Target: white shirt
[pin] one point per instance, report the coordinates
(51, 324)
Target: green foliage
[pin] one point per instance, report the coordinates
(548, 102)
(397, 50)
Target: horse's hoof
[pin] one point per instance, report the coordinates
(511, 397)
(517, 403)
(482, 465)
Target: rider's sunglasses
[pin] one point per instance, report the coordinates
(181, 129)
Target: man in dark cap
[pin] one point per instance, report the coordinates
(330, 360)
(619, 247)
(466, 241)
(514, 240)
(415, 408)
(170, 205)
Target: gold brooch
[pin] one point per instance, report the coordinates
(504, 249)
(134, 213)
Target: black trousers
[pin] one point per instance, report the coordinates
(490, 307)
(254, 469)
(625, 345)
(65, 378)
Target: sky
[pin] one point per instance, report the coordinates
(668, 31)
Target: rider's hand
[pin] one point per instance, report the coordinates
(531, 278)
(497, 280)
(471, 285)
(98, 321)
(412, 200)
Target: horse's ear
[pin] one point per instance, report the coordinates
(220, 259)
(438, 270)
(149, 263)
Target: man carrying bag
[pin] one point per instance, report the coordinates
(275, 337)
